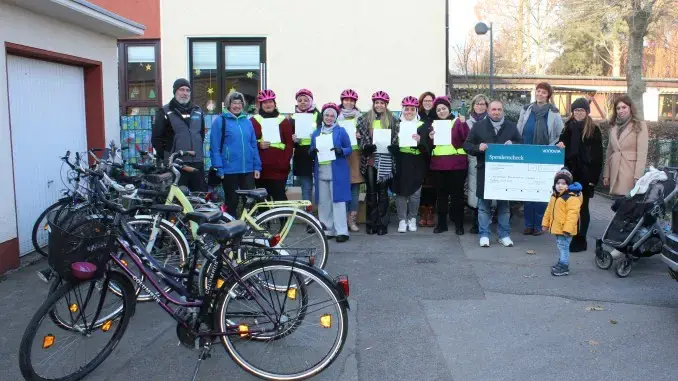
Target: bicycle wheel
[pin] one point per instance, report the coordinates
(257, 314)
(40, 227)
(303, 232)
(58, 341)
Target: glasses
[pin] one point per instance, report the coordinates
(481, 104)
(579, 110)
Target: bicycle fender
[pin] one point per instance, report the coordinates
(290, 209)
(151, 218)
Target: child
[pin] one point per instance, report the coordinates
(562, 217)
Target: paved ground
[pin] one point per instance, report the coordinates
(437, 307)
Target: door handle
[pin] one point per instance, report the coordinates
(49, 183)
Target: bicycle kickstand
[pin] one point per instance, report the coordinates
(204, 354)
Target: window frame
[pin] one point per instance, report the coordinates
(123, 87)
(674, 107)
(221, 43)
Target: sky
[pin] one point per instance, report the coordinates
(462, 20)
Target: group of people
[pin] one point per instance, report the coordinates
(425, 177)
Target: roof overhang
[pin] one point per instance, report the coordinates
(84, 14)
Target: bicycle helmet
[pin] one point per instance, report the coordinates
(331, 105)
(410, 101)
(349, 93)
(305, 92)
(266, 95)
(381, 96)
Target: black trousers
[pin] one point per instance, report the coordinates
(584, 216)
(231, 183)
(450, 184)
(195, 181)
(376, 198)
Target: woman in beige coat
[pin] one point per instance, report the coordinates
(626, 149)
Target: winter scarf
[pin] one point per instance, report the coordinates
(474, 118)
(349, 114)
(497, 125)
(576, 129)
(310, 107)
(273, 114)
(180, 109)
(622, 124)
(541, 130)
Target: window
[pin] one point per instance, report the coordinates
(668, 106)
(219, 66)
(139, 77)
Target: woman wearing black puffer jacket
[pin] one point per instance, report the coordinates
(583, 143)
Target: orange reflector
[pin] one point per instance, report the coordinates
(47, 341)
(326, 321)
(292, 293)
(73, 308)
(124, 262)
(46, 227)
(244, 330)
(220, 283)
(107, 325)
(173, 220)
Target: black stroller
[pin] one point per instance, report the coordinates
(635, 230)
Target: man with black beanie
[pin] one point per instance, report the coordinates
(180, 125)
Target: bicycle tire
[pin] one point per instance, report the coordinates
(25, 365)
(37, 225)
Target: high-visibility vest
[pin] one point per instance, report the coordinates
(412, 150)
(260, 120)
(447, 150)
(307, 141)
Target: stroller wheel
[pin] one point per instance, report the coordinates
(623, 268)
(603, 260)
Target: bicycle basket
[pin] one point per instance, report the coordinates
(85, 241)
(157, 182)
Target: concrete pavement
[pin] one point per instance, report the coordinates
(437, 307)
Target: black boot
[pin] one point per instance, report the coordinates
(474, 226)
(372, 215)
(441, 225)
(578, 244)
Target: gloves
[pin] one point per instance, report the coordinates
(394, 149)
(313, 152)
(338, 151)
(369, 149)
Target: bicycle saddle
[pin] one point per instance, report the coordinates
(166, 208)
(224, 232)
(257, 194)
(204, 217)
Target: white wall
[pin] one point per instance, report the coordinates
(651, 104)
(322, 45)
(23, 27)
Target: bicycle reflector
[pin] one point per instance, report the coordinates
(107, 325)
(47, 341)
(244, 330)
(73, 308)
(223, 208)
(326, 321)
(220, 283)
(342, 281)
(274, 241)
(292, 293)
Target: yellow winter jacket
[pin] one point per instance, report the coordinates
(562, 213)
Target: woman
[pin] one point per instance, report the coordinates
(332, 179)
(234, 150)
(583, 143)
(411, 166)
(275, 157)
(627, 148)
(449, 165)
(302, 164)
(376, 168)
(428, 193)
(479, 105)
(349, 114)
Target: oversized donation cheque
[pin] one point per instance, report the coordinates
(518, 172)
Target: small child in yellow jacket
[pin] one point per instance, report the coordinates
(562, 217)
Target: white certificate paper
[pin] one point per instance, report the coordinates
(350, 126)
(382, 139)
(270, 130)
(407, 129)
(304, 125)
(324, 145)
(443, 132)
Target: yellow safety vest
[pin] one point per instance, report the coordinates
(307, 141)
(412, 150)
(260, 120)
(448, 150)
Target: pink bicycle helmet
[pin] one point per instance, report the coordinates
(381, 96)
(266, 95)
(305, 92)
(331, 105)
(410, 101)
(349, 93)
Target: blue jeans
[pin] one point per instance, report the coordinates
(534, 213)
(563, 244)
(355, 199)
(306, 183)
(485, 218)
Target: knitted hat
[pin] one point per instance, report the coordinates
(581, 103)
(442, 101)
(545, 86)
(181, 82)
(563, 174)
(235, 96)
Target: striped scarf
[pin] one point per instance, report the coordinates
(384, 164)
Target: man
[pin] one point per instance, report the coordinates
(540, 123)
(179, 125)
(491, 130)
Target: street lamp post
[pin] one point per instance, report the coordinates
(481, 29)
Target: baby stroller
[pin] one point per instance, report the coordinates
(635, 230)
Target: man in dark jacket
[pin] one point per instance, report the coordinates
(180, 125)
(491, 130)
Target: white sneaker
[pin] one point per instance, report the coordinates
(484, 242)
(402, 226)
(412, 225)
(506, 241)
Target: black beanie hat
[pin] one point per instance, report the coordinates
(442, 101)
(181, 82)
(581, 103)
(565, 175)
